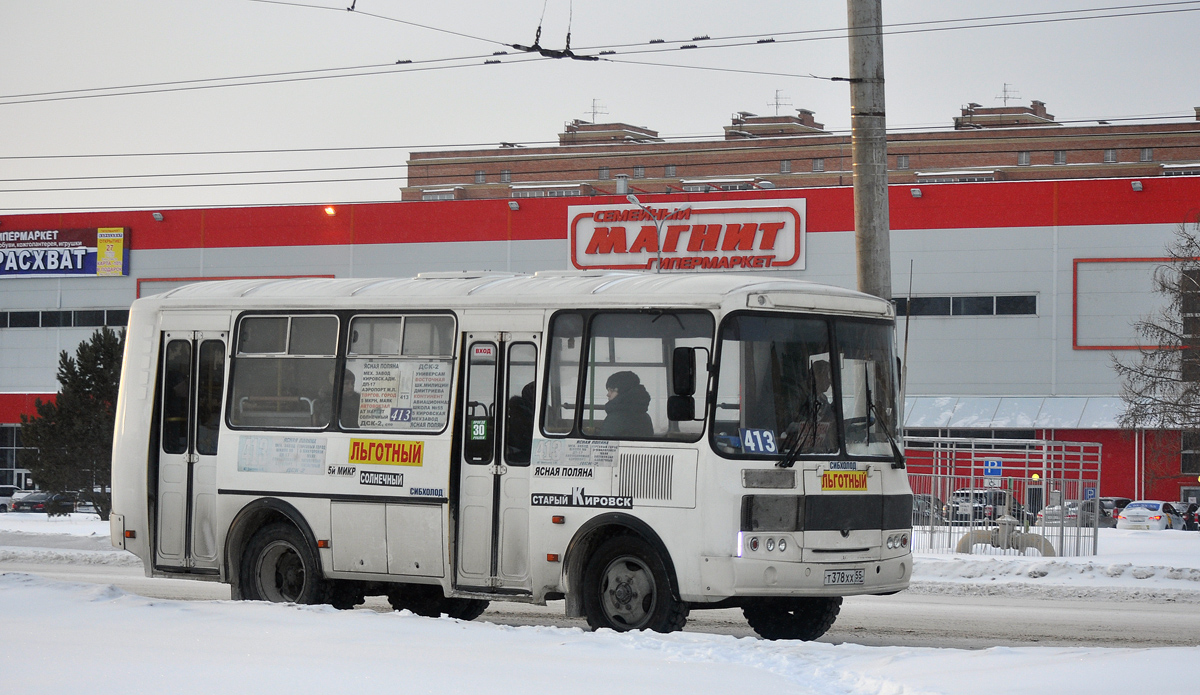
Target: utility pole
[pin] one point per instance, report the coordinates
(868, 130)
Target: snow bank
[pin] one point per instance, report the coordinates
(100, 640)
(74, 524)
(1131, 565)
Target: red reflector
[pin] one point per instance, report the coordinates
(322, 544)
(551, 557)
(558, 519)
(131, 534)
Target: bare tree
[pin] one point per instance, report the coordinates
(1161, 384)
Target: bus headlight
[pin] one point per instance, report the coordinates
(770, 544)
(782, 544)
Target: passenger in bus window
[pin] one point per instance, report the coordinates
(519, 426)
(351, 400)
(626, 413)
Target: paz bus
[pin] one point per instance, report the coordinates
(640, 445)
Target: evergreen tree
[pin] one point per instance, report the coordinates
(1161, 384)
(69, 442)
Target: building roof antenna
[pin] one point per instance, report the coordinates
(779, 100)
(1008, 94)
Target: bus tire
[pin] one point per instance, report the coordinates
(792, 618)
(464, 608)
(278, 566)
(626, 587)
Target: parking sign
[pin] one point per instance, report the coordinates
(993, 467)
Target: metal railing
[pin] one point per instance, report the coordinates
(1004, 496)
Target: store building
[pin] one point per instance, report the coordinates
(1020, 290)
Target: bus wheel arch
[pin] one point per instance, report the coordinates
(595, 535)
(253, 518)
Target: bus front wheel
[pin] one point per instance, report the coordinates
(278, 566)
(792, 618)
(626, 587)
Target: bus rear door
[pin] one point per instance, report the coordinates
(192, 380)
(496, 437)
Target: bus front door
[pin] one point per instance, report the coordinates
(496, 437)
(192, 380)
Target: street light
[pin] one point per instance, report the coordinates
(657, 229)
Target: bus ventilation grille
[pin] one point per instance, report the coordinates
(645, 476)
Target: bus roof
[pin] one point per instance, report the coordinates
(548, 289)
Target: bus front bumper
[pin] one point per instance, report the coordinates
(724, 577)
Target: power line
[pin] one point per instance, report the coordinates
(894, 130)
(383, 17)
(296, 76)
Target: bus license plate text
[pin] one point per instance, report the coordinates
(840, 577)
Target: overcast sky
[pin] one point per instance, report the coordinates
(1133, 65)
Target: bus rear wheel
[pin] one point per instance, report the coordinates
(278, 566)
(626, 587)
(792, 618)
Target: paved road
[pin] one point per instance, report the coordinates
(906, 619)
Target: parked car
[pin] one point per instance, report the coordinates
(1154, 515)
(1112, 506)
(7, 494)
(1054, 515)
(48, 502)
(927, 510)
(1082, 514)
(988, 505)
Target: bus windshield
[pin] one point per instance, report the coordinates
(778, 387)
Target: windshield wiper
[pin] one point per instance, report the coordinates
(874, 409)
(809, 438)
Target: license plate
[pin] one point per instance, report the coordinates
(840, 577)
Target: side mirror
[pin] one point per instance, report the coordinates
(683, 373)
(681, 408)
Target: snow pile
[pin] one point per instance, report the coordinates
(1131, 565)
(73, 524)
(120, 643)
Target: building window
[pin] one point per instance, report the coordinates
(505, 176)
(1023, 305)
(480, 177)
(639, 172)
(1022, 159)
(1060, 156)
(818, 164)
(602, 174)
(785, 167)
(901, 161)
(973, 306)
(438, 195)
(1147, 155)
(1190, 463)
(669, 170)
(1110, 156)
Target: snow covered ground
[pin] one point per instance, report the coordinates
(98, 639)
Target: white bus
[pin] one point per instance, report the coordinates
(638, 445)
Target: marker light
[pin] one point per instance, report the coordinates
(556, 519)
(551, 557)
(131, 534)
(754, 543)
(322, 544)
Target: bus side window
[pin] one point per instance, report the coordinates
(283, 377)
(562, 378)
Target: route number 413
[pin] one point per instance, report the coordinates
(758, 442)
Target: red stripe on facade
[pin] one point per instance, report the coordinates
(14, 405)
(1163, 200)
